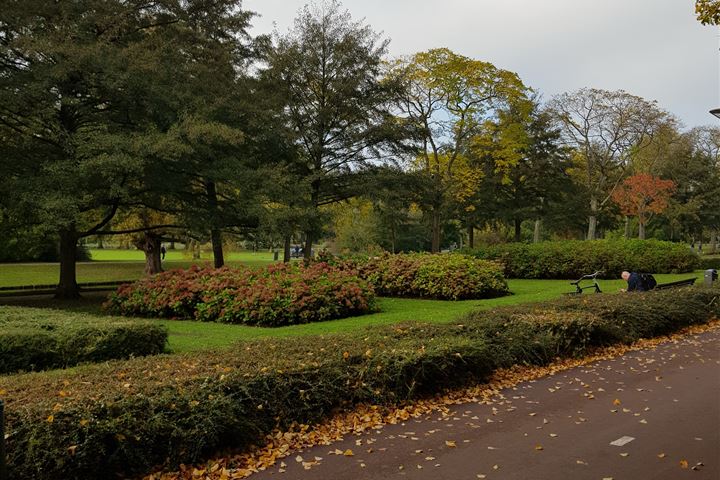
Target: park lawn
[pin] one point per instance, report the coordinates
(187, 335)
(114, 265)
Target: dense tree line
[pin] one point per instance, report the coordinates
(168, 121)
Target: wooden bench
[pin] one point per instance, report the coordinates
(680, 283)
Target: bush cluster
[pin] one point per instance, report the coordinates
(37, 339)
(422, 275)
(127, 417)
(574, 258)
(277, 295)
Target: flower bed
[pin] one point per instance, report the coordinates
(422, 275)
(277, 295)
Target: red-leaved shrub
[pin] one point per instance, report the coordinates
(277, 295)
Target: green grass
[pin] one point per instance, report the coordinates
(188, 335)
(111, 265)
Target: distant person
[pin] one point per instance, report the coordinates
(163, 251)
(633, 281)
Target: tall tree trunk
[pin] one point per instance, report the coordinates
(307, 249)
(67, 288)
(435, 239)
(172, 245)
(713, 240)
(217, 247)
(286, 249)
(518, 229)
(627, 227)
(150, 245)
(215, 232)
(471, 235)
(641, 230)
(537, 232)
(100, 244)
(592, 219)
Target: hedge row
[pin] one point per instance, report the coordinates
(39, 339)
(574, 258)
(127, 417)
(276, 295)
(422, 275)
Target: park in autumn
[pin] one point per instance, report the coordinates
(249, 239)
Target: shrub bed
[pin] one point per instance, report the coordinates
(276, 295)
(422, 275)
(37, 339)
(127, 417)
(574, 258)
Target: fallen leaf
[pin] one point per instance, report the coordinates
(299, 459)
(683, 464)
(538, 447)
(348, 453)
(450, 443)
(661, 455)
(624, 454)
(616, 401)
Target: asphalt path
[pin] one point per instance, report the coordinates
(651, 414)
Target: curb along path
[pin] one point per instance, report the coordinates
(649, 414)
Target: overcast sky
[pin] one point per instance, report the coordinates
(652, 48)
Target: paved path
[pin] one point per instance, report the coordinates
(665, 403)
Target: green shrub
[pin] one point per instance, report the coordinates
(421, 275)
(36, 339)
(707, 263)
(574, 258)
(127, 417)
(273, 296)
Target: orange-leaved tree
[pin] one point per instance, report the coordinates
(642, 196)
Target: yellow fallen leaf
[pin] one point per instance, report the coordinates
(538, 447)
(348, 453)
(84, 422)
(450, 443)
(71, 449)
(616, 402)
(624, 454)
(683, 464)
(661, 455)
(346, 355)
(299, 459)
(50, 419)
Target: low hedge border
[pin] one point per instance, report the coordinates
(130, 417)
(37, 339)
(572, 259)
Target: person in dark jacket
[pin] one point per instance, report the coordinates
(634, 282)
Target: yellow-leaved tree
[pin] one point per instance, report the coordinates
(446, 99)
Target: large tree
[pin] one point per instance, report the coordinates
(330, 69)
(605, 128)
(446, 99)
(643, 196)
(87, 86)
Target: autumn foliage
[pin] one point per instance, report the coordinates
(124, 418)
(643, 196)
(280, 294)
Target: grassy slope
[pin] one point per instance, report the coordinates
(191, 336)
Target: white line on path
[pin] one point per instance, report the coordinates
(622, 441)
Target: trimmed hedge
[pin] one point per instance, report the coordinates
(38, 339)
(127, 417)
(423, 275)
(572, 259)
(273, 296)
